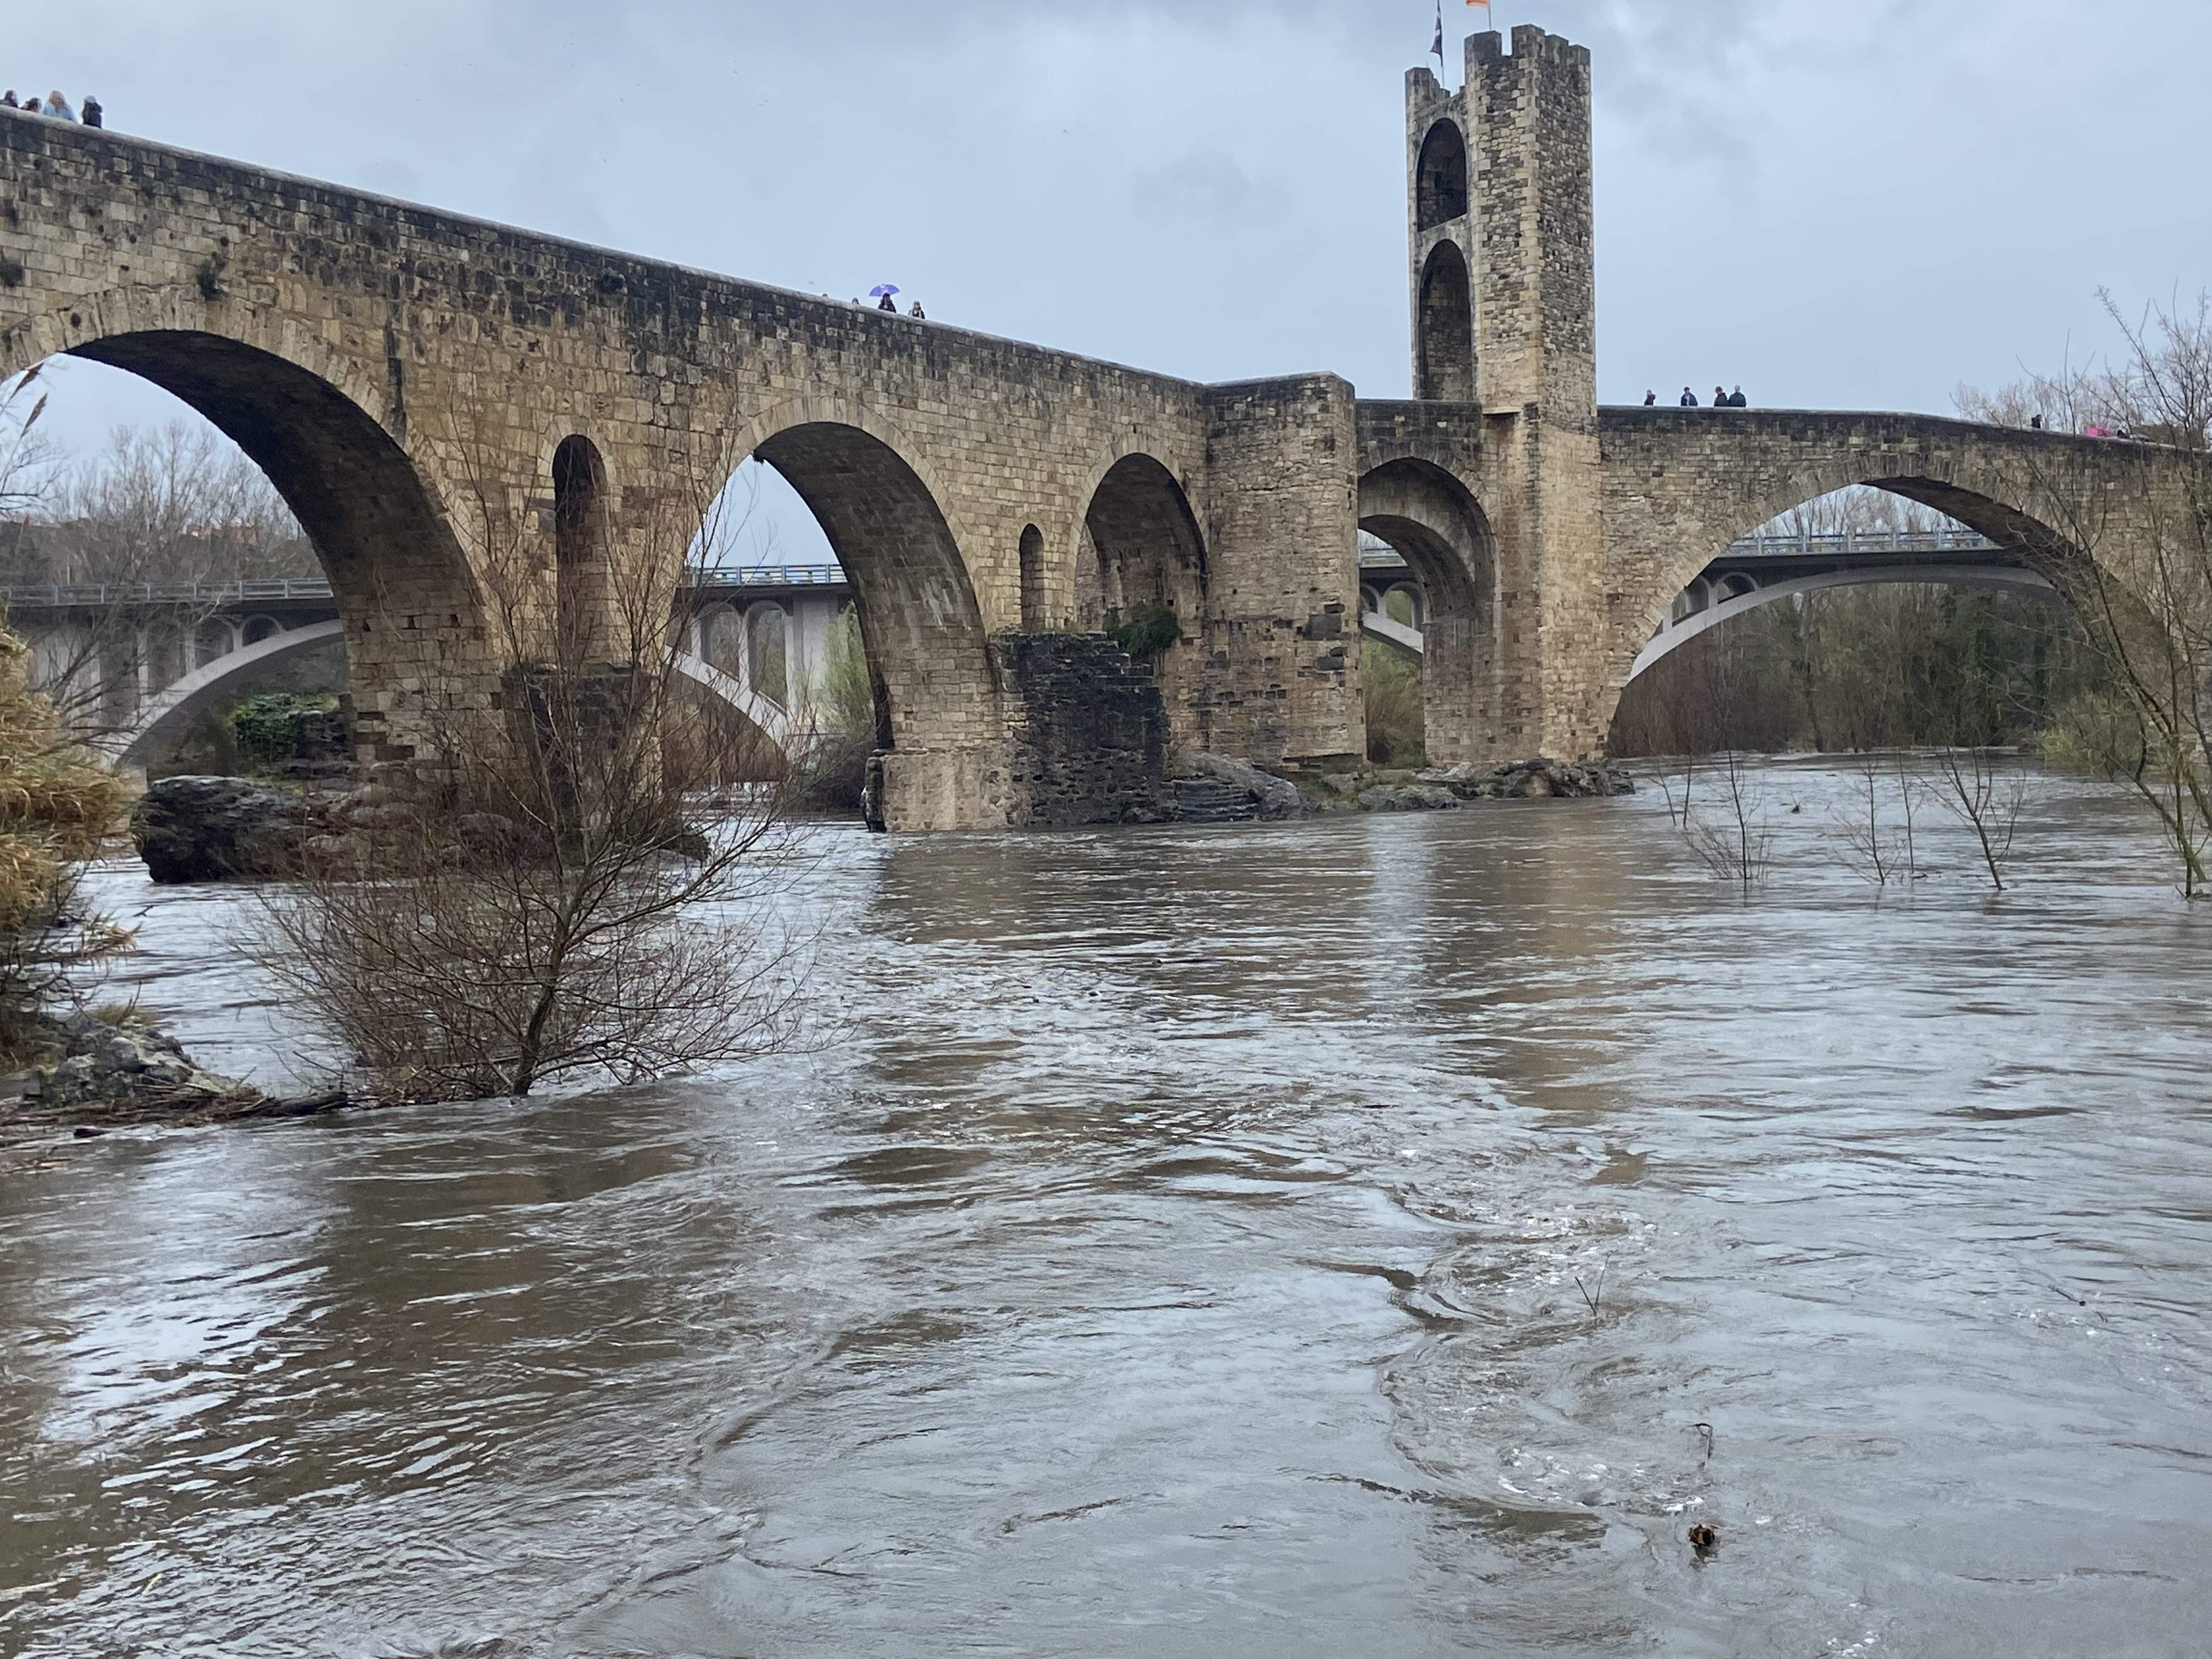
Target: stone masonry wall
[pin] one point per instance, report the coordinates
(368, 353)
(1089, 745)
(1281, 687)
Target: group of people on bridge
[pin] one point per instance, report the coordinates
(1734, 400)
(56, 106)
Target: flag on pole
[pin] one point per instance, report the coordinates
(1437, 47)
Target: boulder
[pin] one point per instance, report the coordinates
(206, 829)
(111, 1063)
(1408, 798)
(1532, 779)
(1276, 798)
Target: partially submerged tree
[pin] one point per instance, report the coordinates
(2135, 560)
(539, 897)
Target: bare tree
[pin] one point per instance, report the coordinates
(541, 897)
(145, 535)
(28, 462)
(1732, 838)
(1985, 794)
(2135, 560)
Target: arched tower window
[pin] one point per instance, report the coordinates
(579, 544)
(1033, 600)
(1440, 178)
(1447, 328)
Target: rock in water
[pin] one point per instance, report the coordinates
(1408, 798)
(1275, 799)
(196, 828)
(1532, 779)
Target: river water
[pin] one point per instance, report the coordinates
(1173, 1249)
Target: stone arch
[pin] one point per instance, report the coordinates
(1435, 524)
(938, 726)
(1978, 496)
(1150, 557)
(582, 513)
(1440, 177)
(1447, 327)
(254, 630)
(1035, 603)
(323, 434)
(1961, 471)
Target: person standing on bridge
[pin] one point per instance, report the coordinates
(1720, 397)
(31, 105)
(7, 100)
(59, 108)
(1737, 400)
(1649, 398)
(1689, 398)
(92, 113)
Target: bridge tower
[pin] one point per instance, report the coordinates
(1504, 306)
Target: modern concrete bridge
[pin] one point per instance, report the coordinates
(139, 662)
(1755, 571)
(432, 394)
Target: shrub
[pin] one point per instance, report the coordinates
(268, 729)
(55, 810)
(1395, 729)
(1146, 633)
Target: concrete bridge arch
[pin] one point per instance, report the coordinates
(172, 711)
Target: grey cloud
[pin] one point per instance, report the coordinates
(1838, 204)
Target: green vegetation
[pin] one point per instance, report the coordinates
(1396, 732)
(841, 708)
(1147, 633)
(1878, 667)
(271, 729)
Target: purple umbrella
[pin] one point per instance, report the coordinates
(881, 290)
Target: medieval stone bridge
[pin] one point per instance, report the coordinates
(424, 388)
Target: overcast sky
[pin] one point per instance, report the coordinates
(1837, 203)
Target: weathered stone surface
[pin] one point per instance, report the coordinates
(211, 829)
(1531, 780)
(1408, 798)
(106, 1063)
(1089, 733)
(1273, 798)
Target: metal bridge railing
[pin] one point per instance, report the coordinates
(1841, 544)
(62, 596)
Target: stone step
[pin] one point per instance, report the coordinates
(1209, 800)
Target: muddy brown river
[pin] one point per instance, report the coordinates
(1385, 1236)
